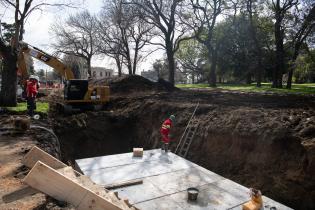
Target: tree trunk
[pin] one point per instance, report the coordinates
(89, 67)
(277, 75)
(290, 75)
(253, 32)
(129, 67)
(118, 63)
(171, 65)
(135, 59)
(212, 77)
(249, 78)
(9, 79)
(259, 72)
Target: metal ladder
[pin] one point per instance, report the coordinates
(188, 135)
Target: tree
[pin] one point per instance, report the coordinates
(190, 58)
(123, 34)
(7, 31)
(8, 50)
(251, 6)
(304, 21)
(164, 16)
(161, 69)
(77, 65)
(280, 9)
(77, 37)
(305, 68)
(203, 21)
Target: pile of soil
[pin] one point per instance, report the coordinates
(264, 141)
(134, 83)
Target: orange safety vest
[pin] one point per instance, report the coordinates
(166, 126)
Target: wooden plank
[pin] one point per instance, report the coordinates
(123, 184)
(51, 182)
(36, 154)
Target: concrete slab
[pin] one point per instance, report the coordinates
(165, 180)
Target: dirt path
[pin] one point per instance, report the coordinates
(14, 194)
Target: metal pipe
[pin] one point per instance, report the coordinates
(51, 132)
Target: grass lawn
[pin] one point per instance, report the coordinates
(308, 88)
(42, 107)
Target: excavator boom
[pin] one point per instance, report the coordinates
(51, 61)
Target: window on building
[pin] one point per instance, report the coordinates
(101, 74)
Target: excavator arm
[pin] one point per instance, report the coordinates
(49, 60)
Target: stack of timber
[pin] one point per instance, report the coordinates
(54, 178)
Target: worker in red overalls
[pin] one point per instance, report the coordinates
(32, 86)
(165, 132)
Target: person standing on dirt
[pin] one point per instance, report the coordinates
(165, 132)
(32, 86)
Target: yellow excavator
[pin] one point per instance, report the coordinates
(78, 93)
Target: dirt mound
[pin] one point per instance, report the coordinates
(134, 83)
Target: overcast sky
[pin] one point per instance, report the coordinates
(37, 31)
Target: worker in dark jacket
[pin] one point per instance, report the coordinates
(32, 86)
(165, 132)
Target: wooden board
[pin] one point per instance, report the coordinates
(51, 182)
(37, 154)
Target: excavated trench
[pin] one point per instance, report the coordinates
(266, 146)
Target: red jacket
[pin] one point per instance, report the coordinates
(166, 126)
(31, 88)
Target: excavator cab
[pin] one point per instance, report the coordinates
(80, 95)
(75, 89)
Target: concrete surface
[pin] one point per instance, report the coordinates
(166, 177)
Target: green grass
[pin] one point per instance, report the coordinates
(308, 88)
(42, 107)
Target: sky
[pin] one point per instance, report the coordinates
(37, 32)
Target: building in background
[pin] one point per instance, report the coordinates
(101, 72)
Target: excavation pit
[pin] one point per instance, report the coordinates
(257, 140)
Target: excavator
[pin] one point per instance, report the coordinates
(78, 95)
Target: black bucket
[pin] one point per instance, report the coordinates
(192, 193)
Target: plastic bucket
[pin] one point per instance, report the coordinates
(192, 193)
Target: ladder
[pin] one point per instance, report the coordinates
(188, 135)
